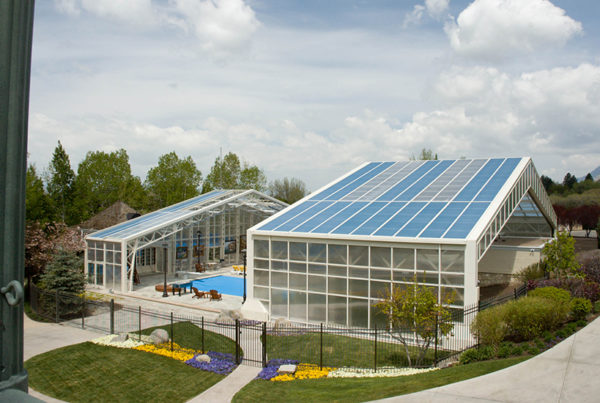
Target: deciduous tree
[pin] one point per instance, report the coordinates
(560, 256)
(288, 190)
(228, 173)
(172, 180)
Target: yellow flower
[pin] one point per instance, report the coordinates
(305, 371)
(164, 349)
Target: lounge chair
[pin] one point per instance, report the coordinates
(198, 294)
(161, 288)
(200, 268)
(214, 295)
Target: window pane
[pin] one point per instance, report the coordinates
(279, 279)
(359, 272)
(280, 266)
(358, 313)
(381, 257)
(336, 285)
(358, 288)
(404, 258)
(337, 309)
(279, 250)
(337, 271)
(298, 267)
(298, 305)
(316, 268)
(91, 276)
(298, 251)
(337, 254)
(261, 248)
(452, 279)
(359, 255)
(453, 260)
(261, 277)
(109, 276)
(378, 319)
(261, 293)
(406, 276)
(317, 252)
(298, 281)
(261, 264)
(279, 300)
(380, 274)
(117, 277)
(427, 277)
(317, 283)
(427, 259)
(317, 307)
(100, 273)
(456, 294)
(380, 289)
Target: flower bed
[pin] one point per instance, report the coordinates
(220, 363)
(109, 341)
(164, 349)
(371, 373)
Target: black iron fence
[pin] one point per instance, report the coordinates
(254, 343)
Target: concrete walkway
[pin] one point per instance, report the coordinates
(224, 390)
(568, 372)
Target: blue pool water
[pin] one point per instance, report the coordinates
(223, 285)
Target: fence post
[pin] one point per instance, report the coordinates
(264, 344)
(515, 292)
(112, 316)
(172, 331)
(375, 352)
(203, 350)
(435, 356)
(83, 311)
(321, 350)
(139, 323)
(237, 341)
(56, 303)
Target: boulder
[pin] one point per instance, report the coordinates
(203, 358)
(289, 369)
(159, 336)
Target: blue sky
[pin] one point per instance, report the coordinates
(311, 89)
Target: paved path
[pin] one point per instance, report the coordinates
(568, 372)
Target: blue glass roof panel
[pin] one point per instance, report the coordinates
(398, 221)
(359, 218)
(303, 216)
(425, 181)
(415, 226)
(373, 223)
(492, 188)
(467, 220)
(443, 221)
(362, 181)
(475, 185)
(408, 181)
(345, 181)
(460, 181)
(287, 215)
(318, 219)
(339, 218)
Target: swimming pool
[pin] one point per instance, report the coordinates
(223, 284)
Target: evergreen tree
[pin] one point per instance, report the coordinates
(589, 177)
(547, 182)
(569, 181)
(38, 206)
(64, 273)
(172, 180)
(61, 179)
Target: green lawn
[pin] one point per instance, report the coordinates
(88, 372)
(341, 351)
(360, 390)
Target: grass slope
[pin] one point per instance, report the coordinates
(360, 390)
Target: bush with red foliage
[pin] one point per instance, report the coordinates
(578, 287)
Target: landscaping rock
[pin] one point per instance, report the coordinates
(159, 336)
(230, 315)
(288, 369)
(203, 358)
(120, 338)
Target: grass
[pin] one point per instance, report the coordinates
(341, 350)
(188, 335)
(364, 389)
(87, 372)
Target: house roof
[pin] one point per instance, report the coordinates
(112, 215)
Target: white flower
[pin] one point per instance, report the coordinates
(381, 372)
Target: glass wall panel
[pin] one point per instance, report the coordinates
(261, 248)
(381, 274)
(380, 289)
(358, 312)
(427, 277)
(109, 276)
(359, 272)
(358, 288)
(99, 255)
(279, 279)
(298, 267)
(456, 294)
(427, 259)
(261, 293)
(337, 271)
(381, 257)
(279, 266)
(117, 257)
(317, 252)
(406, 276)
(298, 305)
(317, 269)
(279, 250)
(317, 308)
(261, 264)
(298, 251)
(337, 309)
(100, 273)
(453, 261)
(404, 258)
(336, 285)
(359, 255)
(279, 300)
(452, 279)
(117, 276)
(317, 283)
(261, 277)
(337, 254)
(378, 319)
(91, 273)
(109, 256)
(298, 281)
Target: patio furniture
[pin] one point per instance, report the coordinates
(198, 294)
(200, 268)
(214, 295)
(161, 288)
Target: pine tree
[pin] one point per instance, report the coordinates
(61, 185)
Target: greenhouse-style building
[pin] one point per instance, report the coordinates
(451, 224)
(196, 234)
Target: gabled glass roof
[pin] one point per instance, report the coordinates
(418, 199)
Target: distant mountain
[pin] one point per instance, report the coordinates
(595, 174)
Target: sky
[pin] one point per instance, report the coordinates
(312, 89)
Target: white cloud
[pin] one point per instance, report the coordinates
(436, 9)
(414, 17)
(69, 7)
(496, 29)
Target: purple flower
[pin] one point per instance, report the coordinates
(220, 363)
(270, 371)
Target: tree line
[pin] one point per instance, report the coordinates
(61, 194)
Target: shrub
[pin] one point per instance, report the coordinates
(578, 287)
(580, 307)
(528, 317)
(581, 323)
(504, 351)
(597, 307)
(590, 268)
(561, 333)
(532, 272)
(489, 326)
(540, 344)
(468, 356)
(555, 294)
(517, 350)
(533, 350)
